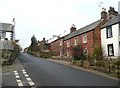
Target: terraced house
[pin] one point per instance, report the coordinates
(110, 36)
(57, 46)
(89, 36)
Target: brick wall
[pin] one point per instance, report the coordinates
(56, 47)
(93, 40)
(88, 45)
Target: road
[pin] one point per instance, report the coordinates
(47, 73)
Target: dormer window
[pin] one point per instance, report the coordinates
(109, 32)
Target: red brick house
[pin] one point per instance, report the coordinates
(43, 46)
(57, 46)
(88, 36)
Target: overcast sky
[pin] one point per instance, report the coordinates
(45, 18)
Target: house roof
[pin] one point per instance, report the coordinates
(6, 27)
(83, 30)
(112, 21)
(59, 39)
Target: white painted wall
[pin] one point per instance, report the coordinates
(115, 40)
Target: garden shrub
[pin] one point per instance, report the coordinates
(77, 53)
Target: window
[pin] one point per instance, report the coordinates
(76, 40)
(110, 50)
(68, 43)
(109, 32)
(85, 51)
(60, 54)
(2, 35)
(67, 53)
(61, 43)
(84, 38)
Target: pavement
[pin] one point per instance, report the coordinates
(10, 68)
(92, 71)
(8, 76)
(15, 75)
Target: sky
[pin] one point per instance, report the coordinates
(45, 18)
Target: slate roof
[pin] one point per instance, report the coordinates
(83, 30)
(112, 21)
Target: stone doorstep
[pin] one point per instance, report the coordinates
(92, 71)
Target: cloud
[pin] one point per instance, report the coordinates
(47, 17)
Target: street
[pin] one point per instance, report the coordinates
(36, 71)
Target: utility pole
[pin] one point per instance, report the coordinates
(100, 4)
(13, 29)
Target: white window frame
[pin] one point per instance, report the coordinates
(85, 51)
(109, 33)
(75, 41)
(60, 53)
(110, 50)
(68, 43)
(85, 38)
(61, 43)
(67, 53)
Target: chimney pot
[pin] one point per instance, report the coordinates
(73, 28)
(112, 12)
(43, 39)
(104, 14)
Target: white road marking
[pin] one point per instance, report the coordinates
(24, 72)
(18, 80)
(26, 75)
(20, 84)
(17, 76)
(15, 71)
(28, 79)
(31, 83)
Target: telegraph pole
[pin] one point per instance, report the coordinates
(100, 6)
(13, 29)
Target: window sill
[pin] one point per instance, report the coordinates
(109, 37)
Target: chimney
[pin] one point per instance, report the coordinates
(73, 28)
(44, 40)
(104, 14)
(112, 12)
